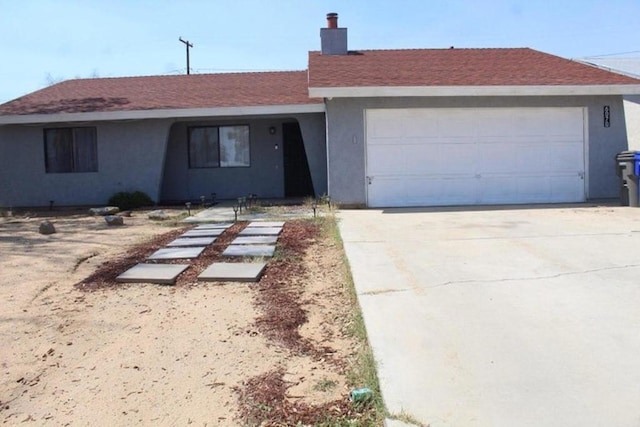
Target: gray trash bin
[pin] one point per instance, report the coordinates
(626, 171)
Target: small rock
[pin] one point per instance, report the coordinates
(125, 213)
(107, 210)
(46, 227)
(114, 220)
(159, 215)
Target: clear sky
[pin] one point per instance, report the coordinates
(42, 41)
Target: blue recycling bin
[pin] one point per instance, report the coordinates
(632, 181)
(636, 163)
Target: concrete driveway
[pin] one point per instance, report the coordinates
(502, 317)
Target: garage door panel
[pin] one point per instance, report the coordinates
(421, 160)
(456, 124)
(457, 190)
(499, 125)
(476, 156)
(418, 125)
(495, 158)
(392, 192)
(564, 122)
(462, 189)
(500, 189)
(379, 160)
(389, 124)
(498, 158)
(528, 158)
(497, 189)
(564, 158)
(527, 123)
(563, 185)
(416, 159)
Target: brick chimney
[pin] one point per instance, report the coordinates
(333, 40)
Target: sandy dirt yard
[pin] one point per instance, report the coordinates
(141, 354)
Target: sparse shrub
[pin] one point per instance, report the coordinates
(126, 200)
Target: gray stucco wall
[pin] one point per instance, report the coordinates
(346, 137)
(265, 176)
(134, 156)
(130, 157)
(313, 128)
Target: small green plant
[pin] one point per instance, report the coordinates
(130, 200)
(256, 209)
(325, 384)
(363, 372)
(175, 221)
(407, 419)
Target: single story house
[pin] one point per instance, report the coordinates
(378, 128)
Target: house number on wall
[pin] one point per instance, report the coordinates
(607, 116)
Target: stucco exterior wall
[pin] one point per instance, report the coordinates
(265, 175)
(632, 119)
(346, 137)
(313, 128)
(136, 155)
(130, 157)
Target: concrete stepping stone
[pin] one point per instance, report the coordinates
(177, 253)
(266, 224)
(210, 226)
(164, 274)
(260, 231)
(233, 272)
(249, 250)
(255, 240)
(192, 241)
(211, 232)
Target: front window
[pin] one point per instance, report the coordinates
(219, 147)
(70, 150)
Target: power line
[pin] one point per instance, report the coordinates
(613, 54)
(238, 70)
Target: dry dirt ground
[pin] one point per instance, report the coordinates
(78, 349)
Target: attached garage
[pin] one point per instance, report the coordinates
(460, 156)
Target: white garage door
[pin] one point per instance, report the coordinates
(456, 156)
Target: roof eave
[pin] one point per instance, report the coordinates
(161, 114)
(519, 90)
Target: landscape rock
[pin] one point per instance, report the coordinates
(114, 220)
(107, 210)
(158, 215)
(46, 227)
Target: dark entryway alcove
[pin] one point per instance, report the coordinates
(297, 177)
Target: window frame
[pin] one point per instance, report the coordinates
(73, 149)
(220, 160)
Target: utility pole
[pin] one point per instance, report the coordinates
(188, 45)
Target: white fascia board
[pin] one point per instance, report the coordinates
(546, 90)
(161, 114)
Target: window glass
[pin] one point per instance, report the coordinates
(70, 150)
(203, 147)
(85, 153)
(219, 146)
(234, 146)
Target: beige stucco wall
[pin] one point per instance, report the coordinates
(632, 118)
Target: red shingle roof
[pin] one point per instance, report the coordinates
(454, 67)
(166, 92)
(394, 68)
